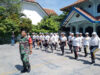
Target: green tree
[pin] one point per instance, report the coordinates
(48, 24)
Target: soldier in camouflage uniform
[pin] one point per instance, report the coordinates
(25, 47)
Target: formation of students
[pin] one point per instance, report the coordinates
(76, 43)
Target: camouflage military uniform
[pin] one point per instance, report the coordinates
(24, 51)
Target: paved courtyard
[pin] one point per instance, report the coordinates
(47, 63)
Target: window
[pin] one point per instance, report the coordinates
(98, 8)
(78, 15)
(89, 6)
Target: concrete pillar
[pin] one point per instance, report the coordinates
(94, 27)
(84, 29)
(70, 28)
(77, 29)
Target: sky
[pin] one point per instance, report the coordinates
(55, 4)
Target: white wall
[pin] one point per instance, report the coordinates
(33, 12)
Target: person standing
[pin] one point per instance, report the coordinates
(81, 40)
(25, 47)
(63, 42)
(56, 40)
(34, 37)
(86, 42)
(52, 41)
(76, 45)
(46, 43)
(70, 42)
(40, 40)
(94, 45)
(12, 39)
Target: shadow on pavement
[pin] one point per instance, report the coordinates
(70, 57)
(96, 64)
(59, 54)
(84, 61)
(19, 67)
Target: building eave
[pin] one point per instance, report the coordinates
(92, 20)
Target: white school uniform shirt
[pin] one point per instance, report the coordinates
(69, 38)
(43, 37)
(40, 37)
(52, 39)
(76, 41)
(47, 38)
(95, 41)
(34, 37)
(86, 41)
(56, 38)
(63, 39)
(37, 37)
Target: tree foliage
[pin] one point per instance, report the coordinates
(10, 19)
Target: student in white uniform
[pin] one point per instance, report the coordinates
(94, 45)
(33, 38)
(76, 45)
(52, 41)
(70, 42)
(81, 44)
(69, 37)
(63, 42)
(86, 42)
(40, 40)
(56, 40)
(46, 43)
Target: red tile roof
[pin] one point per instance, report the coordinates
(50, 11)
(88, 15)
(75, 3)
(30, 0)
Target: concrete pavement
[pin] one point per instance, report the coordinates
(47, 63)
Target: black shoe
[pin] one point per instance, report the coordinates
(85, 56)
(76, 58)
(23, 71)
(71, 51)
(92, 62)
(28, 70)
(62, 54)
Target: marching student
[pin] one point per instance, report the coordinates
(70, 42)
(33, 38)
(37, 40)
(40, 40)
(46, 43)
(63, 42)
(86, 42)
(69, 37)
(76, 45)
(52, 41)
(94, 45)
(81, 44)
(56, 40)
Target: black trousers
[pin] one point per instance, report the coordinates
(85, 50)
(62, 45)
(70, 46)
(33, 43)
(52, 46)
(75, 48)
(55, 46)
(92, 49)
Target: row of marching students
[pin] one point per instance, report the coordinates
(78, 42)
(45, 40)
